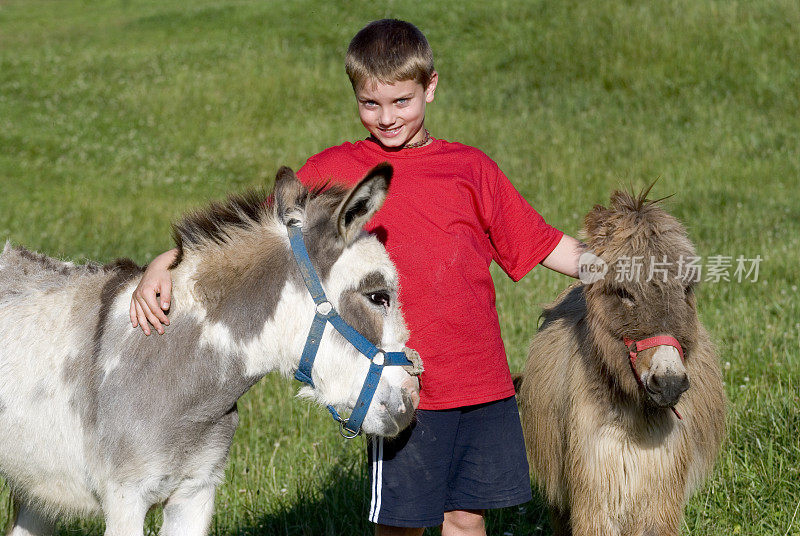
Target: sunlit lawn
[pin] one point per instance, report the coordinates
(117, 116)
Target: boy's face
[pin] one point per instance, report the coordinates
(395, 113)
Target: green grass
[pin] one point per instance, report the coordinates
(117, 116)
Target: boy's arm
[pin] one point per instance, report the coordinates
(564, 257)
(144, 304)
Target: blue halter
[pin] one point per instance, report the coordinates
(351, 427)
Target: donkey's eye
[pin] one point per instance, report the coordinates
(379, 298)
(625, 296)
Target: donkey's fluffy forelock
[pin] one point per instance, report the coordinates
(634, 226)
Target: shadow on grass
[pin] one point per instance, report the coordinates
(339, 502)
(332, 505)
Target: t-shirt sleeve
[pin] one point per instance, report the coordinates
(520, 237)
(310, 175)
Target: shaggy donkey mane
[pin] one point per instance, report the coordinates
(250, 210)
(214, 222)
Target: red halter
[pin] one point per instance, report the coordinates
(634, 347)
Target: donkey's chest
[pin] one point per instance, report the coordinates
(632, 468)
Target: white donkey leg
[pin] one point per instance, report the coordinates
(28, 522)
(124, 511)
(188, 512)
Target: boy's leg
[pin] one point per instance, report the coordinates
(464, 523)
(408, 474)
(490, 466)
(456, 523)
(446, 468)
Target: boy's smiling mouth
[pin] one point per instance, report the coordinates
(390, 132)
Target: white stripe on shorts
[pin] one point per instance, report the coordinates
(377, 478)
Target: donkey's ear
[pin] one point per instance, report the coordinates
(288, 192)
(363, 201)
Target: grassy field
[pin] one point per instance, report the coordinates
(115, 117)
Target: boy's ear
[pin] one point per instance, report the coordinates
(431, 89)
(363, 201)
(288, 192)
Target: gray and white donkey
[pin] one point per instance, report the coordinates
(96, 417)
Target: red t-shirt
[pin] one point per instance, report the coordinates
(450, 211)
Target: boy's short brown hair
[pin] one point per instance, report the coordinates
(389, 51)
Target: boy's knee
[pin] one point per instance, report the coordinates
(463, 522)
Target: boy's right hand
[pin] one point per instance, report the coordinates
(151, 299)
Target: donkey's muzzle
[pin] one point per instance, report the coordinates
(666, 389)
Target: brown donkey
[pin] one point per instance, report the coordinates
(621, 398)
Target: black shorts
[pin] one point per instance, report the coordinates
(469, 458)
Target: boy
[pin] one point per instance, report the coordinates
(450, 212)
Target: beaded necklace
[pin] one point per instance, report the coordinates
(421, 143)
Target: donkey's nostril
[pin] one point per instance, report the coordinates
(411, 385)
(656, 383)
(410, 395)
